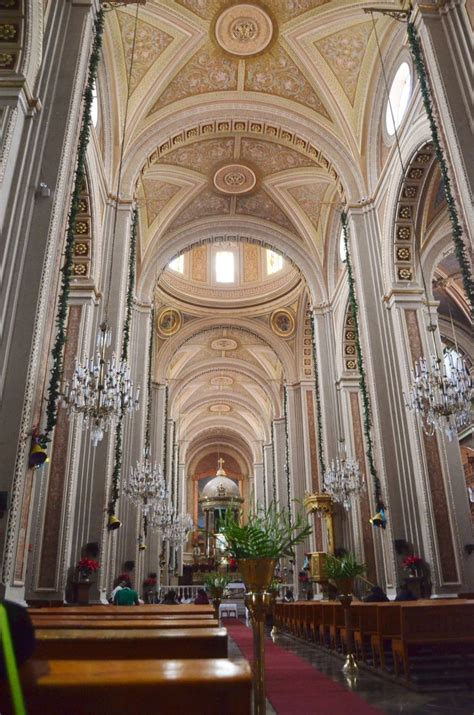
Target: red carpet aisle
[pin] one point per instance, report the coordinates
(295, 686)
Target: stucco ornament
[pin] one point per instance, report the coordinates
(244, 30)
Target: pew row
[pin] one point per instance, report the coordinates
(140, 643)
(159, 610)
(122, 622)
(204, 687)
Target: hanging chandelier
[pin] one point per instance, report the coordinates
(178, 530)
(343, 479)
(146, 485)
(441, 394)
(100, 390)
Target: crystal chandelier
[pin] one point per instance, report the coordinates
(343, 480)
(178, 531)
(100, 390)
(146, 486)
(441, 393)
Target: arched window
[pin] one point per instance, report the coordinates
(94, 107)
(225, 267)
(342, 247)
(177, 264)
(274, 262)
(398, 98)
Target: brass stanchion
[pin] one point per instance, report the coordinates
(350, 667)
(257, 575)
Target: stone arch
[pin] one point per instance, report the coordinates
(408, 213)
(196, 327)
(257, 117)
(231, 229)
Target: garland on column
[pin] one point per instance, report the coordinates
(287, 447)
(165, 434)
(148, 403)
(360, 364)
(457, 232)
(54, 388)
(177, 479)
(115, 487)
(322, 464)
(273, 464)
(264, 479)
(173, 460)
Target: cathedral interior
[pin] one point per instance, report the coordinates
(251, 207)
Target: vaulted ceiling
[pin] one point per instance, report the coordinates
(243, 119)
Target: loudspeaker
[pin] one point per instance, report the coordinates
(92, 549)
(401, 546)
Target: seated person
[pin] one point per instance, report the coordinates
(376, 595)
(126, 596)
(404, 593)
(201, 598)
(288, 597)
(170, 599)
(121, 584)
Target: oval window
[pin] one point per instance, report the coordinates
(398, 98)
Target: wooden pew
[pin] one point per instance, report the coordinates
(364, 623)
(388, 627)
(185, 611)
(133, 644)
(78, 687)
(127, 613)
(424, 624)
(149, 623)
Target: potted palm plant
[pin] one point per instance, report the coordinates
(343, 572)
(215, 583)
(257, 543)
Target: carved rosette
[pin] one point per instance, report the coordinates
(244, 30)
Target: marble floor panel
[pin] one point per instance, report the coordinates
(390, 697)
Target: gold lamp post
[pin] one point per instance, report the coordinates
(257, 575)
(322, 505)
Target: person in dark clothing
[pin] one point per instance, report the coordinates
(201, 598)
(376, 595)
(170, 599)
(404, 593)
(22, 633)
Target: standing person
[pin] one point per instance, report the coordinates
(126, 596)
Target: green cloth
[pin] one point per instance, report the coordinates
(126, 597)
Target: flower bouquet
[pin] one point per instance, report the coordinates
(412, 564)
(86, 567)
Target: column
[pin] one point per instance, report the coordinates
(446, 35)
(33, 230)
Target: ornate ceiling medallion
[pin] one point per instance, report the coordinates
(220, 407)
(224, 344)
(282, 322)
(244, 30)
(221, 380)
(168, 322)
(234, 179)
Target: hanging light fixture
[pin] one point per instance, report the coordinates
(343, 479)
(146, 485)
(441, 394)
(101, 390)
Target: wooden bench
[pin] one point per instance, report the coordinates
(424, 624)
(149, 623)
(159, 610)
(133, 644)
(79, 687)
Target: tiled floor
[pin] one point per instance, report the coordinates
(389, 697)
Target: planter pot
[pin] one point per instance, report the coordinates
(82, 592)
(344, 585)
(257, 574)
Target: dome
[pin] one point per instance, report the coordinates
(221, 487)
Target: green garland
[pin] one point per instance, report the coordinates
(118, 456)
(274, 488)
(360, 364)
(165, 434)
(177, 479)
(148, 405)
(287, 447)
(173, 459)
(322, 463)
(149, 382)
(54, 388)
(264, 463)
(131, 285)
(457, 232)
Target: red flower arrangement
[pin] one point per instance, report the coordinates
(87, 566)
(149, 582)
(412, 562)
